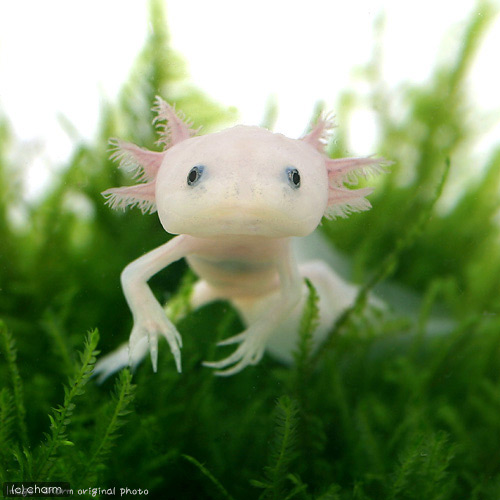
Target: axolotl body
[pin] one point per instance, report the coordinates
(236, 199)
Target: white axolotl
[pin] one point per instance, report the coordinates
(235, 199)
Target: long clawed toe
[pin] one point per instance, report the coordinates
(177, 357)
(223, 363)
(246, 354)
(153, 351)
(238, 367)
(236, 339)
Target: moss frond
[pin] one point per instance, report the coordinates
(308, 324)
(62, 415)
(282, 450)
(7, 420)
(122, 398)
(423, 469)
(9, 348)
(220, 489)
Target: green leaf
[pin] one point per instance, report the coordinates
(59, 421)
(222, 491)
(122, 398)
(8, 346)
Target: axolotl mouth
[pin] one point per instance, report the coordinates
(246, 227)
(240, 220)
(231, 220)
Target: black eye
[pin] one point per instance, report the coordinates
(293, 177)
(194, 175)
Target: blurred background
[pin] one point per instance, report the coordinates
(59, 60)
(400, 403)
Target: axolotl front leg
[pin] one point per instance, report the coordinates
(150, 319)
(254, 339)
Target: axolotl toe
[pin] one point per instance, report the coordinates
(235, 199)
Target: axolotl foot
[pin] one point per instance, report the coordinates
(120, 358)
(131, 353)
(250, 351)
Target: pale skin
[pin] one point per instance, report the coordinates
(235, 199)
(208, 256)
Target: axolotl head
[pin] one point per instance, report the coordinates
(241, 181)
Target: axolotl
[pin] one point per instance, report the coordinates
(235, 199)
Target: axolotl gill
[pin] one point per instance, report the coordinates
(235, 199)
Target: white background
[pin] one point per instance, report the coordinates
(58, 57)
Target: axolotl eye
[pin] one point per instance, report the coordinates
(293, 177)
(195, 175)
